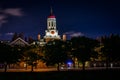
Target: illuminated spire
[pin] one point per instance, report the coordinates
(51, 11)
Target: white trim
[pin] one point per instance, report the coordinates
(20, 40)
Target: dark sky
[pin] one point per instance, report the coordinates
(92, 18)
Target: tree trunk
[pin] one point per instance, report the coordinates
(26, 66)
(74, 62)
(78, 64)
(58, 67)
(32, 66)
(83, 68)
(107, 64)
(5, 66)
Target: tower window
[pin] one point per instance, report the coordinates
(49, 23)
(52, 23)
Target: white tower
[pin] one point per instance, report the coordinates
(51, 33)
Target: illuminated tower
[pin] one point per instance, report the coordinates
(51, 33)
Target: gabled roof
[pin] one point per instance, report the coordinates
(20, 42)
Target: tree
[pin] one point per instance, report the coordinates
(83, 48)
(54, 53)
(9, 55)
(31, 56)
(111, 48)
(30, 40)
(15, 36)
(21, 35)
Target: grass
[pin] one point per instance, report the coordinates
(111, 74)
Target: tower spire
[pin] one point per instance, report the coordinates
(51, 33)
(51, 11)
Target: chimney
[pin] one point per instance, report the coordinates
(64, 37)
(38, 37)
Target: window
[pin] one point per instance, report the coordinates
(52, 23)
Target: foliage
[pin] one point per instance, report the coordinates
(55, 52)
(111, 48)
(83, 48)
(31, 56)
(10, 54)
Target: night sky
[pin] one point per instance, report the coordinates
(92, 18)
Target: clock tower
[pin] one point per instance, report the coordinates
(51, 33)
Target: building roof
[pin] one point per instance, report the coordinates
(19, 41)
(51, 16)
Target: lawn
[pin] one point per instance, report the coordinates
(111, 74)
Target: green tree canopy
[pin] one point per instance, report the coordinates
(9, 54)
(31, 56)
(111, 47)
(83, 48)
(55, 52)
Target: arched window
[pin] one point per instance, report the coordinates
(52, 23)
(49, 23)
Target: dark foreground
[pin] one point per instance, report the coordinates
(112, 74)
